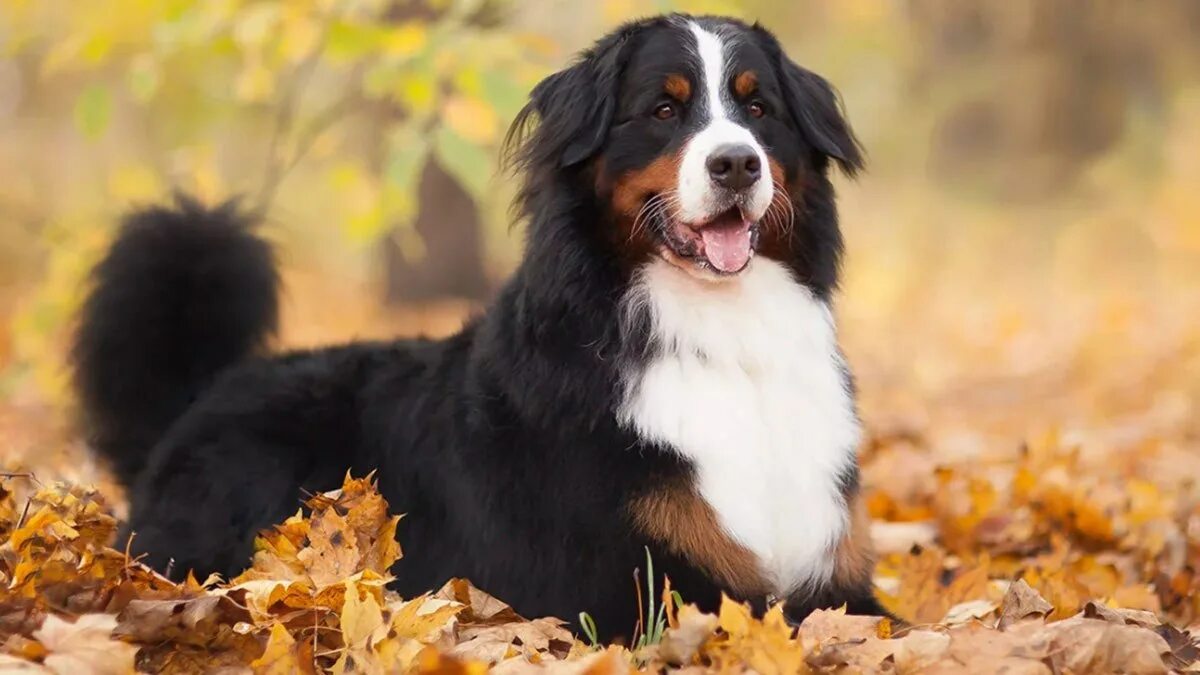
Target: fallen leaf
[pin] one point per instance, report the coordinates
(85, 647)
(1131, 617)
(972, 610)
(361, 616)
(826, 625)
(681, 643)
(332, 552)
(1021, 602)
(198, 621)
(1085, 645)
(280, 655)
(479, 607)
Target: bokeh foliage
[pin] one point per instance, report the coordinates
(1012, 144)
(228, 98)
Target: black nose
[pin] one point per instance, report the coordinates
(735, 166)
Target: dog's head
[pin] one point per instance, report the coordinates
(697, 134)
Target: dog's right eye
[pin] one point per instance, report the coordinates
(664, 111)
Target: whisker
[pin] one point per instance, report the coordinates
(639, 221)
(786, 209)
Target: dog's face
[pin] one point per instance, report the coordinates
(698, 134)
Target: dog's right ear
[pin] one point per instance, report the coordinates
(573, 109)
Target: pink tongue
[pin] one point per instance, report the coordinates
(727, 246)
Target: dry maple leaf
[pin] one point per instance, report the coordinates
(361, 616)
(480, 607)
(766, 645)
(830, 625)
(348, 531)
(201, 621)
(432, 662)
(85, 647)
(493, 642)
(367, 517)
(971, 611)
(1021, 602)
(927, 589)
(490, 631)
(1082, 645)
(682, 642)
(611, 661)
(411, 626)
(283, 655)
(332, 552)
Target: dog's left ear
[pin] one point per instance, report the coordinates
(817, 111)
(573, 108)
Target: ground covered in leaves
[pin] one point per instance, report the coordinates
(315, 600)
(1033, 474)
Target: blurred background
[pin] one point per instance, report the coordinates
(1023, 251)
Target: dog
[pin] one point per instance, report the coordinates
(660, 375)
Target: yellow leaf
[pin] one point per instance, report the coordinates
(332, 554)
(422, 618)
(279, 658)
(431, 662)
(360, 617)
(734, 617)
(683, 640)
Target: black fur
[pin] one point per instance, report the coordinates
(182, 294)
(499, 443)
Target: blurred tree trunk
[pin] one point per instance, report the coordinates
(448, 220)
(449, 227)
(1060, 79)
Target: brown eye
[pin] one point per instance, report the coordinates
(664, 112)
(756, 109)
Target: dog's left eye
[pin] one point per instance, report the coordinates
(756, 109)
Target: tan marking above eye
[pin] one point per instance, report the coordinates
(745, 83)
(679, 87)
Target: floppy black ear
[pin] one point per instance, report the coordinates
(818, 115)
(573, 108)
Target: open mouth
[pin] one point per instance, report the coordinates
(723, 244)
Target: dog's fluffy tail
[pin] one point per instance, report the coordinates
(183, 293)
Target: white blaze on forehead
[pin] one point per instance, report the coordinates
(698, 198)
(711, 51)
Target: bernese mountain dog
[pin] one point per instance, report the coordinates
(661, 372)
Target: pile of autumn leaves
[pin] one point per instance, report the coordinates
(315, 600)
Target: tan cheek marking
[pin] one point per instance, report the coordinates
(777, 172)
(679, 87)
(854, 560)
(683, 522)
(632, 188)
(775, 238)
(745, 84)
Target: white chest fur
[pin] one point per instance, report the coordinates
(748, 385)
